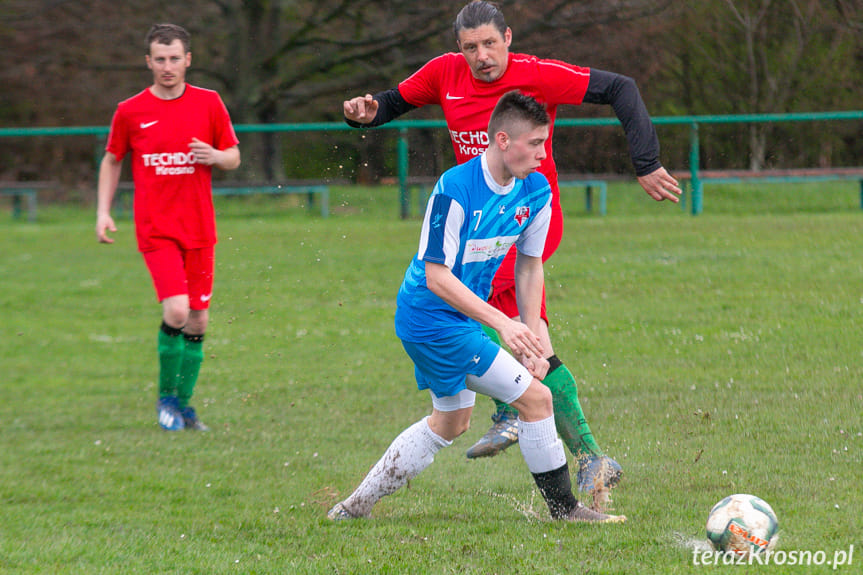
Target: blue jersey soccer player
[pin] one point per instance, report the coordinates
(478, 210)
(466, 84)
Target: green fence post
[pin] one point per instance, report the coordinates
(404, 200)
(99, 151)
(693, 170)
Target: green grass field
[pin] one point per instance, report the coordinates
(716, 354)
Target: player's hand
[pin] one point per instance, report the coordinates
(537, 366)
(660, 185)
(520, 340)
(204, 152)
(361, 109)
(105, 224)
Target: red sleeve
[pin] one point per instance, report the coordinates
(118, 137)
(423, 86)
(225, 137)
(563, 83)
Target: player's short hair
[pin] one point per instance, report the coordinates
(514, 108)
(167, 33)
(479, 13)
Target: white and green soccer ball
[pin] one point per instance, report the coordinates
(742, 524)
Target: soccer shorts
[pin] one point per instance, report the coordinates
(176, 271)
(466, 361)
(503, 285)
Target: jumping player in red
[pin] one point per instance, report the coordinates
(467, 85)
(176, 133)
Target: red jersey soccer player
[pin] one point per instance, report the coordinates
(176, 133)
(467, 86)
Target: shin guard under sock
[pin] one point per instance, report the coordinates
(190, 366)
(408, 455)
(568, 415)
(170, 348)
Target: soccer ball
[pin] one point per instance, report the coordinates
(742, 524)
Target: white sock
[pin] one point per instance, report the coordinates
(409, 453)
(540, 446)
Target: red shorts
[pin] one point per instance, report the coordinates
(503, 284)
(176, 271)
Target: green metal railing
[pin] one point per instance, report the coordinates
(403, 126)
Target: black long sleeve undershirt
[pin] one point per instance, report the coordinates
(621, 93)
(391, 105)
(618, 91)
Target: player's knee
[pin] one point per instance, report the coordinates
(197, 321)
(455, 429)
(463, 427)
(544, 399)
(536, 403)
(175, 314)
(449, 426)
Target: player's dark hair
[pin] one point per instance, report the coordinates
(479, 13)
(514, 107)
(167, 33)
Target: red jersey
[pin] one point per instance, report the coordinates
(173, 194)
(467, 102)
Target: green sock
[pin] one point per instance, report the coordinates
(193, 356)
(501, 408)
(170, 347)
(568, 415)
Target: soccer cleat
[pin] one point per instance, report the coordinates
(598, 473)
(170, 418)
(191, 421)
(582, 514)
(339, 513)
(501, 435)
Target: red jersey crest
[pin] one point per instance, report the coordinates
(522, 213)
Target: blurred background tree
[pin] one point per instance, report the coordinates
(68, 63)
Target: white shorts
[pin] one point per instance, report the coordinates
(505, 380)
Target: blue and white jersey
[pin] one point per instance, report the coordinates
(470, 224)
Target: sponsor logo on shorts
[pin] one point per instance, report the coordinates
(206, 298)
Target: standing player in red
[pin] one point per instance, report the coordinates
(176, 133)
(467, 85)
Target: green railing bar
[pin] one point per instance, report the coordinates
(55, 131)
(404, 125)
(415, 124)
